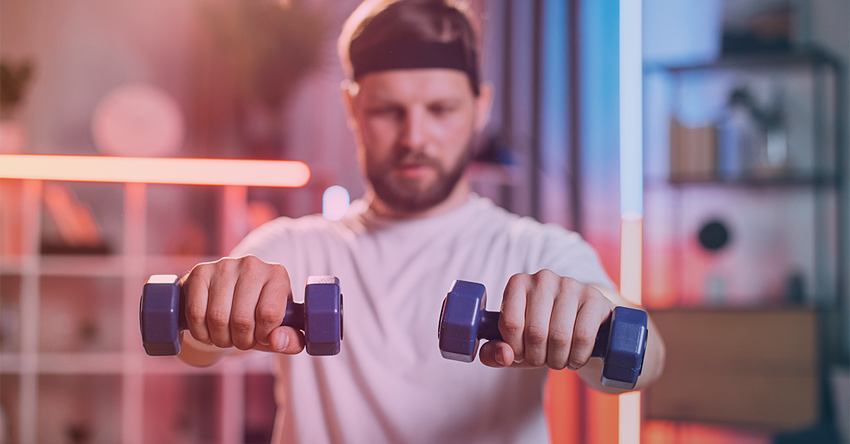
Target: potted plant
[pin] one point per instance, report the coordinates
(270, 46)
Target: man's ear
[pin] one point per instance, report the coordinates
(348, 92)
(483, 105)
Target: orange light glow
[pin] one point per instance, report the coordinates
(631, 249)
(155, 170)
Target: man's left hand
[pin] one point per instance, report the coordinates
(547, 320)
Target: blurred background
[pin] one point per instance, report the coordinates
(745, 257)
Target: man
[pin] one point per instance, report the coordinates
(414, 104)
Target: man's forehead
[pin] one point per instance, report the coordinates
(432, 83)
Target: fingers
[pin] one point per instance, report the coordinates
(561, 328)
(512, 318)
(285, 340)
(547, 320)
(271, 307)
(196, 289)
(222, 288)
(246, 294)
(538, 313)
(496, 354)
(594, 310)
(239, 302)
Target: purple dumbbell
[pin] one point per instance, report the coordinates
(620, 342)
(162, 319)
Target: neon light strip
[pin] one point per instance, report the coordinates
(631, 186)
(629, 417)
(631, 108)
(259, 173)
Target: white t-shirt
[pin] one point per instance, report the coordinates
(389, 383)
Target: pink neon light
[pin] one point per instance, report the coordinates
(259, 173)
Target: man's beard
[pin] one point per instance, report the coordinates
(410, 195)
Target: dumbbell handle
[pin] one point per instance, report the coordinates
(294, 316)
(489, 329)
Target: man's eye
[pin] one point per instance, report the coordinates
(441, 109)
(385, 111)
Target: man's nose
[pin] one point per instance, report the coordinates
(414, 134)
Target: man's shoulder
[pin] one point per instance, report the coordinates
(486, 208)
(521, 228)
(302, 224)
(288, 230)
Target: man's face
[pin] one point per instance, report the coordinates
(414, 129)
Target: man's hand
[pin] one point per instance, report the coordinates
(547, 320)
(240, 302)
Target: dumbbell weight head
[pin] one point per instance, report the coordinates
(322, 315)
(464, 320)
(160, 312)
(624, 354)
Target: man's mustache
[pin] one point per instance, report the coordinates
(409, 158)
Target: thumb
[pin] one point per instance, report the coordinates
(283, 339)
(496, 353)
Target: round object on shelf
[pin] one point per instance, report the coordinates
(139, 120)
(714, 235)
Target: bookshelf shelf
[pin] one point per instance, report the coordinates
(89, 303)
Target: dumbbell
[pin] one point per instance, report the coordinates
(620, 342)
(162, 318)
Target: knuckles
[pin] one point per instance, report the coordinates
(547, 283)
(242, 324)
(584, 338)
(195, 315)
(267, 315)
(510, 327)
(250, 265)
(560, 339)
(536, 336)
(217, 319)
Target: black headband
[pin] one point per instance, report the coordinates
(414, 54)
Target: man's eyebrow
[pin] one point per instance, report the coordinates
(378, 98)
(450, 100)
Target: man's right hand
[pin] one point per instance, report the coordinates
(240, 302)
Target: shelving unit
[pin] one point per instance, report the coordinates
(787, 220)
(807, 86)
(56, 389)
